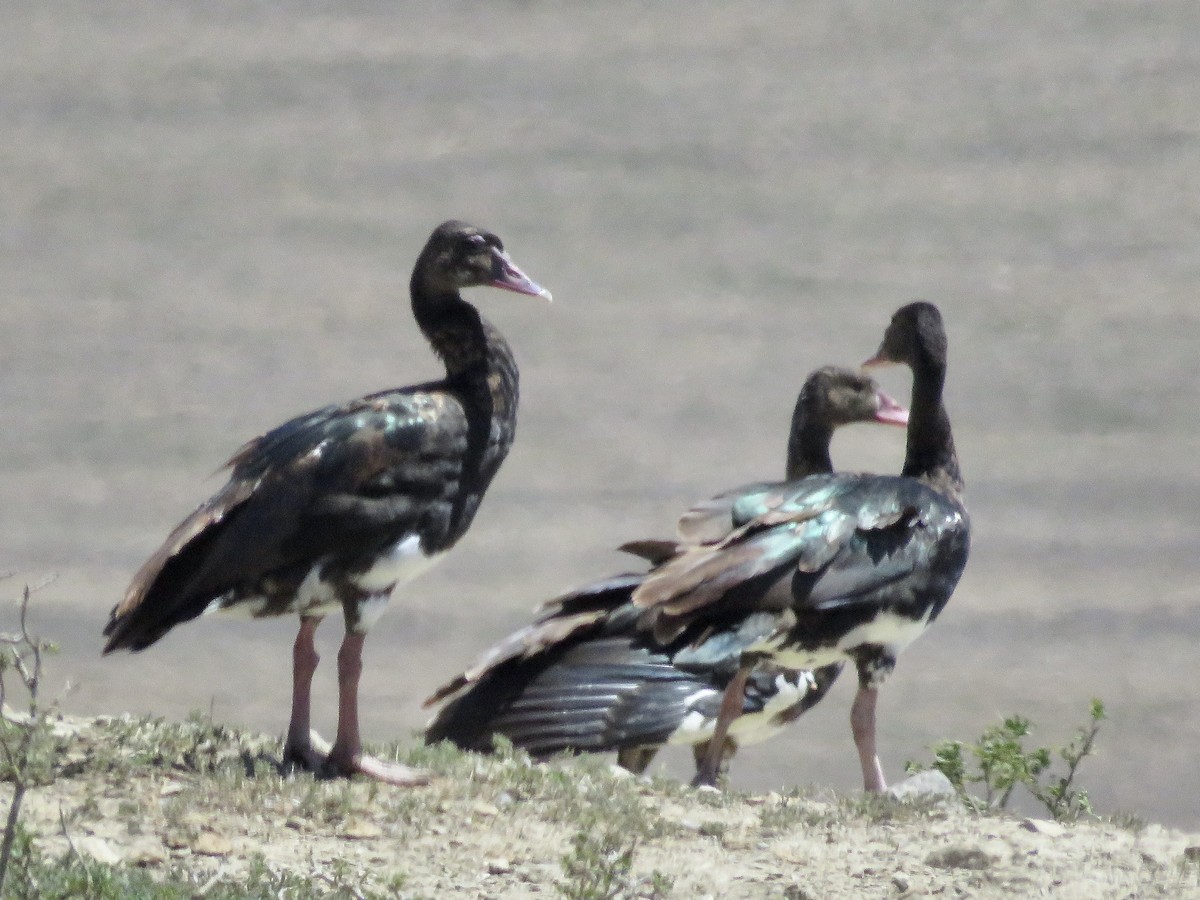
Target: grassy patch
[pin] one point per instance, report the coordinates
(37, 876)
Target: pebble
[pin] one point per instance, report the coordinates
(1044, 826)
(930, 783)
(209, 843)
(145, 852)
(175, 839)
(959, 857)
(98, 849)
(108, 808)
(360, 830)
(738, 839)
(171, 788)
(196, 820)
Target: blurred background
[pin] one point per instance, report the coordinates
(208, 216)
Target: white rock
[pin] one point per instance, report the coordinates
(98, 849)
(961, 856)
(1044, 826)
(209, 843)
(146, 852)
(930, 783)
(361, 830)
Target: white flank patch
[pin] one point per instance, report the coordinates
(315, 597)
(693, 729)
(695, 726)
(404, 562)
(750, 728)
(760, 726)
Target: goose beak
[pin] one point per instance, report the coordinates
(505, 274)
(888, 411)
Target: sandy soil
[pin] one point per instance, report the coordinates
(499, 828)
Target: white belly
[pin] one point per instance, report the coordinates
(887, 629)
(403, 562)
(316, 597)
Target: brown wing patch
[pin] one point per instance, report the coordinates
(699, 577)
(707, 522)
(522, 644)
(207, 516)
(654, 551)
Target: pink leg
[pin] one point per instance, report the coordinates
(299, 746)
(701, 751)
(709, 768)
(346, 756)
(862, 724)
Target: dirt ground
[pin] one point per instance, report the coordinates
(500, 828)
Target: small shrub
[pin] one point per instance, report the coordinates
(598, 866)
(36, 876)
(25, 758)
(1128, 821)
(659, 885)
(1000, 762)
(793, 809)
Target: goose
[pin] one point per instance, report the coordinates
(333, 509)
(831, 568)
(585, 678)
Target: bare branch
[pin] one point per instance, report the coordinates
(23, 654)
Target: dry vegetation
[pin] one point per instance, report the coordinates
(149, 808)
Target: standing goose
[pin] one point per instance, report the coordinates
(584, 677)
(835, 567)
(333, 509)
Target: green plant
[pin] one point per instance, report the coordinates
(1060, 798)
(1002, 762)
(1128, 821)
(659, 886)
(36, 877)
(598, 866)
(42, 877)
(795, 808)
